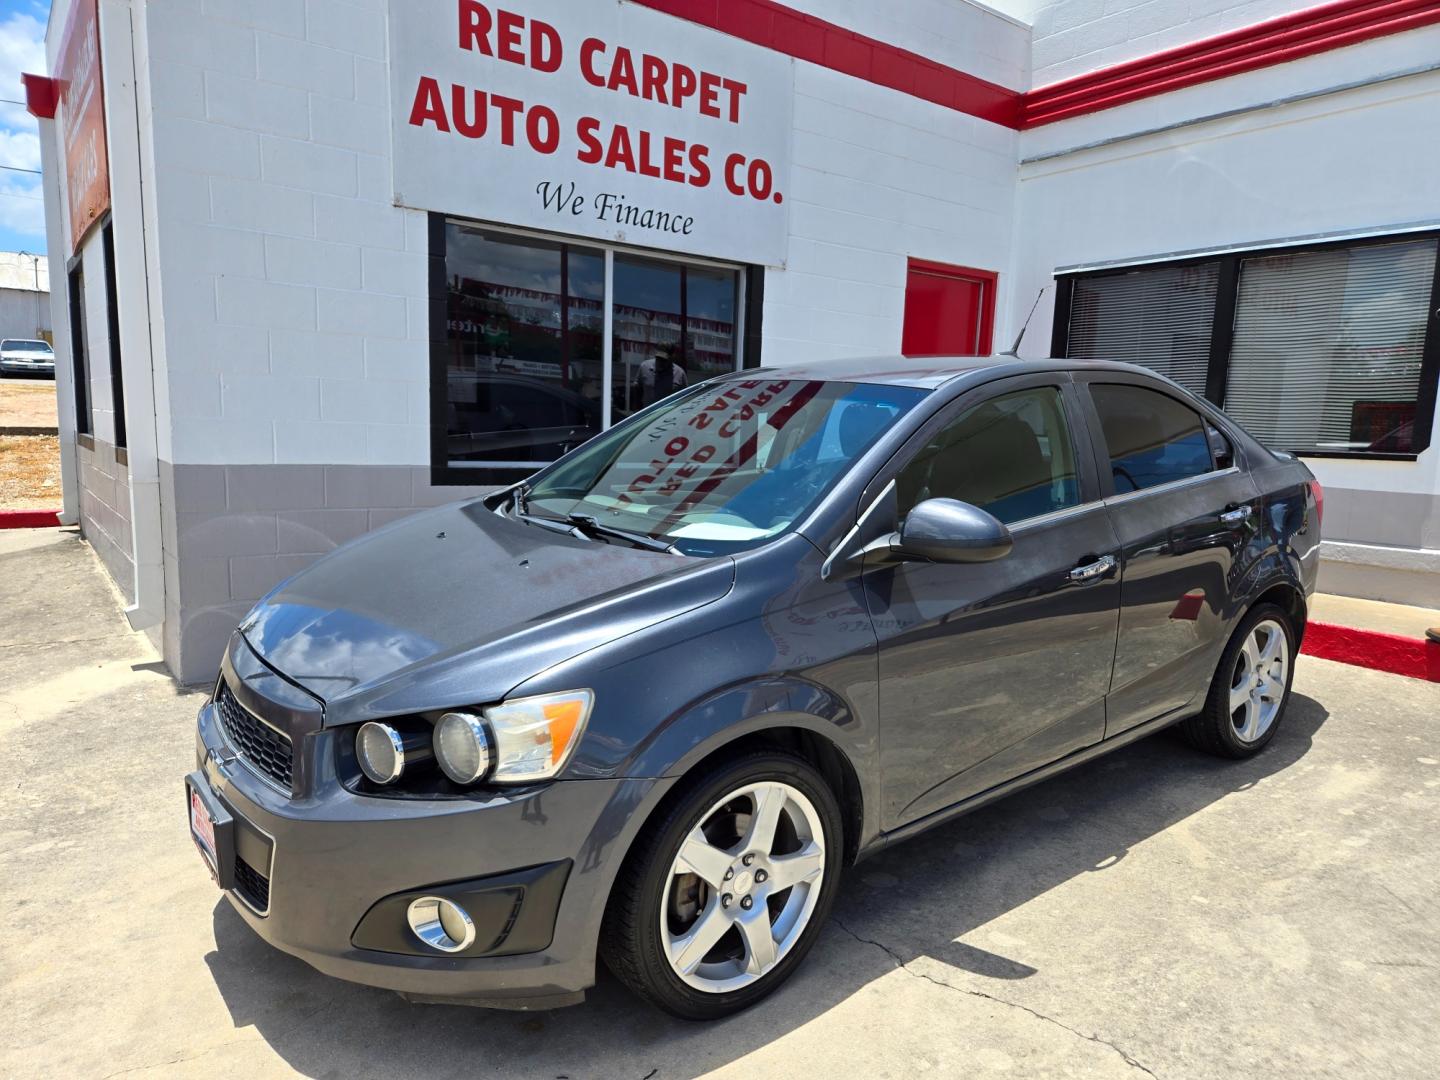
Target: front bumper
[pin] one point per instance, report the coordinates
(334, 855)
(36, 367)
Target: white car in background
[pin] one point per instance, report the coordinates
(24, 355)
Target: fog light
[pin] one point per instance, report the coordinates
(380, 752)
(440, 923)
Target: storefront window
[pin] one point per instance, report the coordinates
(526, 363)
(1329, 347)
(524, 337)
(674, 326)
(1160, 317)
(1324, 351)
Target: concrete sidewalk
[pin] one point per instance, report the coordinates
(1405, 620)
(1155, 913)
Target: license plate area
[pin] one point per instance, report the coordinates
(212, 829)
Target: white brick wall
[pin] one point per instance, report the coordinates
(1073, 37)
(878, 177)
(295, 292)
(281, 252)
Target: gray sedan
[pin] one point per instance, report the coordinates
(649, 705)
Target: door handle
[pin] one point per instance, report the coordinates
(1238, 516)
(1091, 571)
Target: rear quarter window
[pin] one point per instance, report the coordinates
(1152, 438)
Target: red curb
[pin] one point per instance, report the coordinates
(29, 519)
(1412, 657)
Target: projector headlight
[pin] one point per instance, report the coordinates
(516, 742)
(461, 747)
(380, 752)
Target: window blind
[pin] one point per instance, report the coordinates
(1328, 347)
(1159, 317)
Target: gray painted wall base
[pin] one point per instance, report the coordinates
(105, 511)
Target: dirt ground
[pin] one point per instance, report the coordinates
(27, 403)
(29, 472)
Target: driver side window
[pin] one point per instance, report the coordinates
(1011, 456)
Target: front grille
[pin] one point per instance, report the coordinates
(253, 886)
(260, 745)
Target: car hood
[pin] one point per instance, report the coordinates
(458, 606)
(27, 354)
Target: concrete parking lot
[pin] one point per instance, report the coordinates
(1155, 913)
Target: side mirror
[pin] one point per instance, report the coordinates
(950, 531)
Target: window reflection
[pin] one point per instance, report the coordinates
(524, 324)
(674, 326)
(525, 345)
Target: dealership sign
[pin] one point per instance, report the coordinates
(592, 117)
(82, 121)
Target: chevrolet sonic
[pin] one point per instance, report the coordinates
(647, 705)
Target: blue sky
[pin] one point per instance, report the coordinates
(22, 48)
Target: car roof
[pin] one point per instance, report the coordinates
(927, 372)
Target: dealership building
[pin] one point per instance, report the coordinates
(320, 263)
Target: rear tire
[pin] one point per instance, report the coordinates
(709, 914)
(1251, 689)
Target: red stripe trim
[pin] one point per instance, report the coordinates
(1290, 37)
(1414, 657)
(29, 519)
(785, 30)
(1276, 41)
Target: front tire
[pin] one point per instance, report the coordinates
(1251, 688)
(726, 892)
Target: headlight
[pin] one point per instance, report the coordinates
(380, 752)
(513, 743)
(461, 747)
(535, 736)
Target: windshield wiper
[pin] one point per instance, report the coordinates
(587, 527)
(592, 526)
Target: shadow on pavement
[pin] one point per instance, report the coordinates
(919, 897)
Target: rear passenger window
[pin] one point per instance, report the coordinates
(1152, 438)
(1010, 456)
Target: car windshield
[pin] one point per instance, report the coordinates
(722, 467)
(23, 345)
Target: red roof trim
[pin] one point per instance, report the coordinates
(1276, 41)
(42, 95)
(785, 30)
(1290, 37)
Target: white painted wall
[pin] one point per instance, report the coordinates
(1073, 37)
(295, 299)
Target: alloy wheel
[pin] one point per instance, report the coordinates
(1257, 686)
(742, 887)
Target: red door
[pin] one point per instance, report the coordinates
(949, 310)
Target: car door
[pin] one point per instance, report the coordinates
(988, 670)
(1184, 513)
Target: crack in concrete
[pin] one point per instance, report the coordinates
(905, 967)
(64, 641)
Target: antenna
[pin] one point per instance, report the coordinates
(1014, 350)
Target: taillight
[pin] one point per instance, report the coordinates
(1319, 493)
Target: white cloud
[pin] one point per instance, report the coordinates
(20, 149)
(22, 49)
